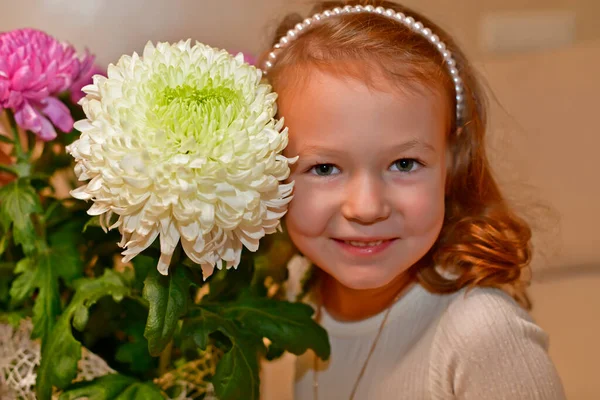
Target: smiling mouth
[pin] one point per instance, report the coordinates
(363, 244)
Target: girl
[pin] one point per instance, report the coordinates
(396, 205)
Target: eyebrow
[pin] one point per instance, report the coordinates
(402, 147)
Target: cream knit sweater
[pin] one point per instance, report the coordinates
(478, 345)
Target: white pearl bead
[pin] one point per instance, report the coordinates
(391, 13)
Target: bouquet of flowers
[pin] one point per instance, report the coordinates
(177, 159)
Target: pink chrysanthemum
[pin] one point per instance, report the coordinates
(34, 69)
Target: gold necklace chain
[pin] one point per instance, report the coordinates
(371, 351)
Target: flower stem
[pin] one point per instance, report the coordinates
(22, 167)
(165, 359)
(18, 149)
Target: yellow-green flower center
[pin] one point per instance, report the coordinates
(195, 113)
(195, 99)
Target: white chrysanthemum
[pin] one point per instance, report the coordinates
(182, 144)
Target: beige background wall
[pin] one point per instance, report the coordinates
(544, 143)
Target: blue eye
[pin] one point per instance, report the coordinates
(406, 164)
(323, 169)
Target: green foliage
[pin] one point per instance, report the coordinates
(245, 322)
(60, 269)
(62, 352)
(113, 387)
(168, 298)
(20, 202)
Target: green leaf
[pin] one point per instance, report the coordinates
(227, 284)
(42, 271)
(237, 373)
(113, 386)
(61, 353)
(25, 284)
(142, 265)
(135, 351)
(287, 325)
(58, 365)
(18, 201)
(274, 352)
(3, 243)
(168, 298)
(66, 257)
(47, 302)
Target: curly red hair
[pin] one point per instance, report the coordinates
(482, 242)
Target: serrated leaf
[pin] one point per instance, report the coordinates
(288, 325)
(237, 373)
(113, 387)
(274, 352)
(24, 285)
(168, 298)
(18, 201)
(47, 302)
(61, 353)
(42, 271)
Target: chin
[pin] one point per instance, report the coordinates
(364, 280)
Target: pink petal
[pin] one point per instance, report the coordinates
(47, 132)
(21, 78)
(28, 118)
(3, 90)
(58, 113)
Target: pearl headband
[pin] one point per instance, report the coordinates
(390, 13)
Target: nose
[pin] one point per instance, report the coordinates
(365, 200)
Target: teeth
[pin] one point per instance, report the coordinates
(364, 244)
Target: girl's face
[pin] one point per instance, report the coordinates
(369, 183)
